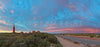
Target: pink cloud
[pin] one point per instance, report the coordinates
(51, 25)
(83, 6)
(1, 3)
(32, 8)
(34, 24)
(82, 17)
(50, 28)
(35, 12)
(34, 18)
(72, 7)
(12, 11)
(1, 7)
(76, 29)
(1, 21)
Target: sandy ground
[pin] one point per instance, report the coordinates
(67, 43)
(87, 37)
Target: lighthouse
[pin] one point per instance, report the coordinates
(13, 28)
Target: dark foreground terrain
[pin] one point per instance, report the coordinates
(28, 40)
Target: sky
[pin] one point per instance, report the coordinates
(69, 16)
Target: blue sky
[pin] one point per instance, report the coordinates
(50, 15)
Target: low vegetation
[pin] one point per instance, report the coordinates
(91, 35)
(98, 36)
(29, 40)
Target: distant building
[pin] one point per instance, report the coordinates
(25, 32)
(38, 31)
(21, 32)
(33, 31)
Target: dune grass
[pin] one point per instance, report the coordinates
(28, 40)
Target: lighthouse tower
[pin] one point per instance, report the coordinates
(13, 28)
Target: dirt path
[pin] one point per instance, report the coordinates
(67, 43)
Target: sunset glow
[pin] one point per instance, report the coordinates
(70, 16)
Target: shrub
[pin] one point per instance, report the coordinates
(45, 44)
(58, 45)
(52, 39)
(98, 36)
(92, 35)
